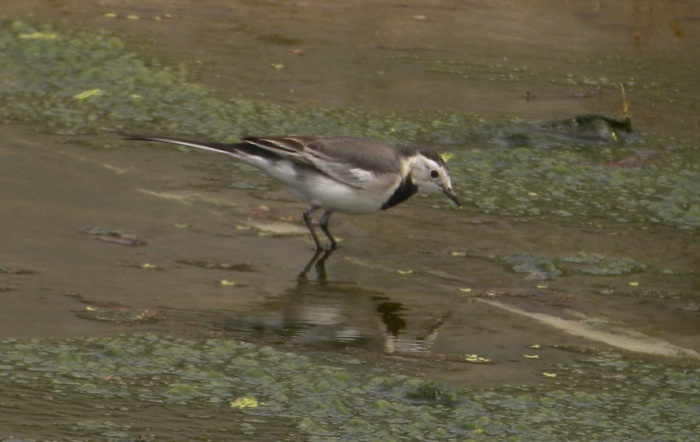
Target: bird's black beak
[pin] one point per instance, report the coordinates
(452, 196)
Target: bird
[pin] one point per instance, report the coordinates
(336, 174)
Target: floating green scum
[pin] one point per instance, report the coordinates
(131, 386)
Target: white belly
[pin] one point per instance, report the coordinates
(327, 193)
(337, 197)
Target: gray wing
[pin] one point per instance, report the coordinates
(351, 161)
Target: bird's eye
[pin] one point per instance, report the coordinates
(434, 174)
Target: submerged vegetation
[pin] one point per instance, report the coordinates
(122, 388)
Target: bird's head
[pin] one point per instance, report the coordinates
(429, 172)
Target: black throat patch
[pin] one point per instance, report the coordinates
(405, 190)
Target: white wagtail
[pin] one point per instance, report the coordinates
(341, 174)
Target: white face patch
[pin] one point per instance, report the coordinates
(429, 175)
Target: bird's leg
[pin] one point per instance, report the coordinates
(307, 221)
(323, 222)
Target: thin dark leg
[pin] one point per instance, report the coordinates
(323, 222)
(307, 221)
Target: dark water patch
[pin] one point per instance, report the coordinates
(115, 236)
(127, 316)
(208, 264)
(16, 271)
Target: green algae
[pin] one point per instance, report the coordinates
(73, 82)
(100, 385)
(566, 185)
(81, 82)
(582, 262)
(529, 263)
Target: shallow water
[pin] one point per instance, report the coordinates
(565, 242)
